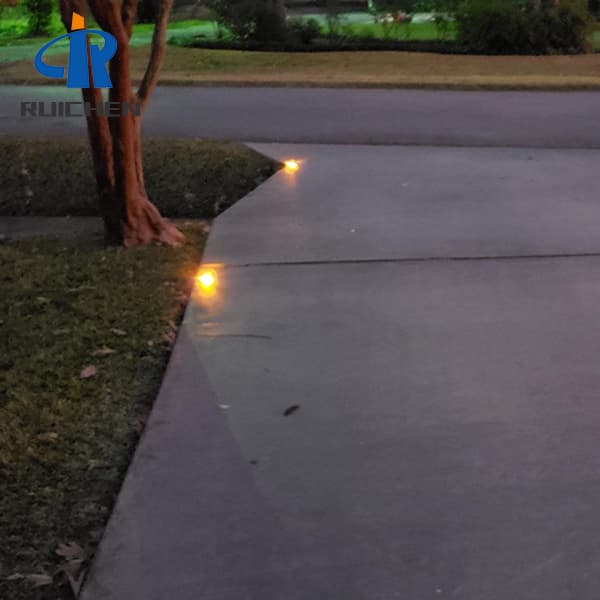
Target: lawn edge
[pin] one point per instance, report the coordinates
(499, 84)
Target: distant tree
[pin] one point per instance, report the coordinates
(129, 217)
(40, 15)
(147, 11)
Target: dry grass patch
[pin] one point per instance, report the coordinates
(361, 69)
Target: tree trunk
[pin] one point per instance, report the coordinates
(130, 219)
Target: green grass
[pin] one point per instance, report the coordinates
(15, 44)
(405, 31)
(71, 303)
(65, 442)
(185, 178)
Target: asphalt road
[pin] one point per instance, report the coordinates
(343, 116)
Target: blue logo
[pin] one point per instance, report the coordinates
(81, 64)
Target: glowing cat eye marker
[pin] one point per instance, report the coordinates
(207, 280)
(291, 166)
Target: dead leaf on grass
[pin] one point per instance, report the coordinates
(71, 551)
(88, 372)
(50, 436)
(74, 567)
(104, 351)
(138, 425)
(39, 579)
(75, 581)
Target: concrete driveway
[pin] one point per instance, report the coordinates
(392, 394)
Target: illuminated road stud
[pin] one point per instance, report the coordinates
(291, 166)
(207, 280)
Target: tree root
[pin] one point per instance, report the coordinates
(147, 226)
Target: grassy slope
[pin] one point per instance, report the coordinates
(369, 69)
(185, 178)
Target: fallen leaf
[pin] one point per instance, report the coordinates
(39, 579)
(75, 581)
(104, 351)
(88, 372)
(138, 425)
(71, 551)
(182, 298)
(169, 337)
(47, 437)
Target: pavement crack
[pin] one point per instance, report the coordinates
(425, 259)
(237, 335)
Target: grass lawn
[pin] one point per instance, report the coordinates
(15, 45)
(409, 31)
(67, 430)
(194, 66)
(184, 178)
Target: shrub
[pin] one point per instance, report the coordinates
(40, 16)
(569, 27)
(492, 26)
(516, 27)
(304, 31)
(256, 20)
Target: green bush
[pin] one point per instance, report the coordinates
(569, 27)
(516, 27)
(256, 20)
(40, 16)
(304, 31)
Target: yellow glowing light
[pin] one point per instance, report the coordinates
(207, 280)
(291, 166)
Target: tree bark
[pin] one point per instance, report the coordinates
(130, 219)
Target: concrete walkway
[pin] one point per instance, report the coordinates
(393, 393)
